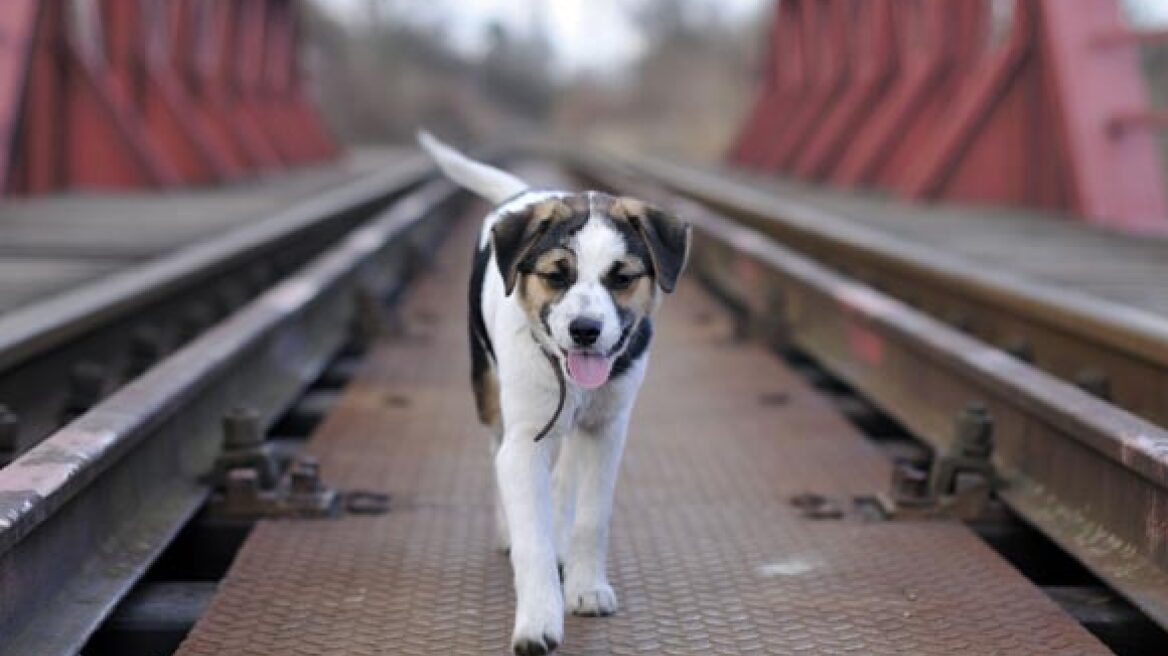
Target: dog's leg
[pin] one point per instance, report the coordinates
(597, 453)
(564, 498)
(502, 532)
(524, 470)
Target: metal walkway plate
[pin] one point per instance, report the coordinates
(707, 556)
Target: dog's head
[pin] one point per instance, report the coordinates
(588, 269)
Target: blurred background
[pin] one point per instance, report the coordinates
(672, 76)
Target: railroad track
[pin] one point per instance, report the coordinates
(1074, 388)
(60, 357)
(99, 491)
(111, 433)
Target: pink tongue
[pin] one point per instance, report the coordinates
(589, 371)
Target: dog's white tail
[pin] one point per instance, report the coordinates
(495, 185)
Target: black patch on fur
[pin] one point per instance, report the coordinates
(638, 344)
(634, 243)
(558, 235)
(668, 242)
(482, 352)
(510, 239)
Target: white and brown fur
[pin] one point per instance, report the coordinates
(543, 260)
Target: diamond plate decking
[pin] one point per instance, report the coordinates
(707, 556)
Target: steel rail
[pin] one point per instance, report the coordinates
(84, 512)
(1091, 476)
(87, 341)
(1117, 351)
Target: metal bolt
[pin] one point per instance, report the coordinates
(909, 483)
(242, 485)
(241, 429)
(305, 476)
(975, 431)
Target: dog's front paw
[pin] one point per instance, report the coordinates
(534, 647)
(535, 636)
(592, 600)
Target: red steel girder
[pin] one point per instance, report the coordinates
(1115, 175)
(1028, 102)
(924, 49)
(788, 60)
(825, 26)
(17, 27)
(874, 62)
(131, 93)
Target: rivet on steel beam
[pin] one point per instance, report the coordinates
(86, 387)
(1020, 348)
(10, 445)
(1094, 382)
(244, 447)
(975, 431)
(242, 487)
(304, 476)
(146, 348)
(910, 484)
(241, 429)
(970, 453)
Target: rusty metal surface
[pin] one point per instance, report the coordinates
(1089, 475)
(708, 557)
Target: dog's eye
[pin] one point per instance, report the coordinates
(619, 281)
(556, 279)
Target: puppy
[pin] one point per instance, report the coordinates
(561, 297)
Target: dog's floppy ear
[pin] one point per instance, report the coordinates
(514, 235)
(667, 237)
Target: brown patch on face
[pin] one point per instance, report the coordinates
(513, 237)
(553, 209)
(550, 278)
(640, 298)
(624, 208)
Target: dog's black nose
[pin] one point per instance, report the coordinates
(584, 331)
